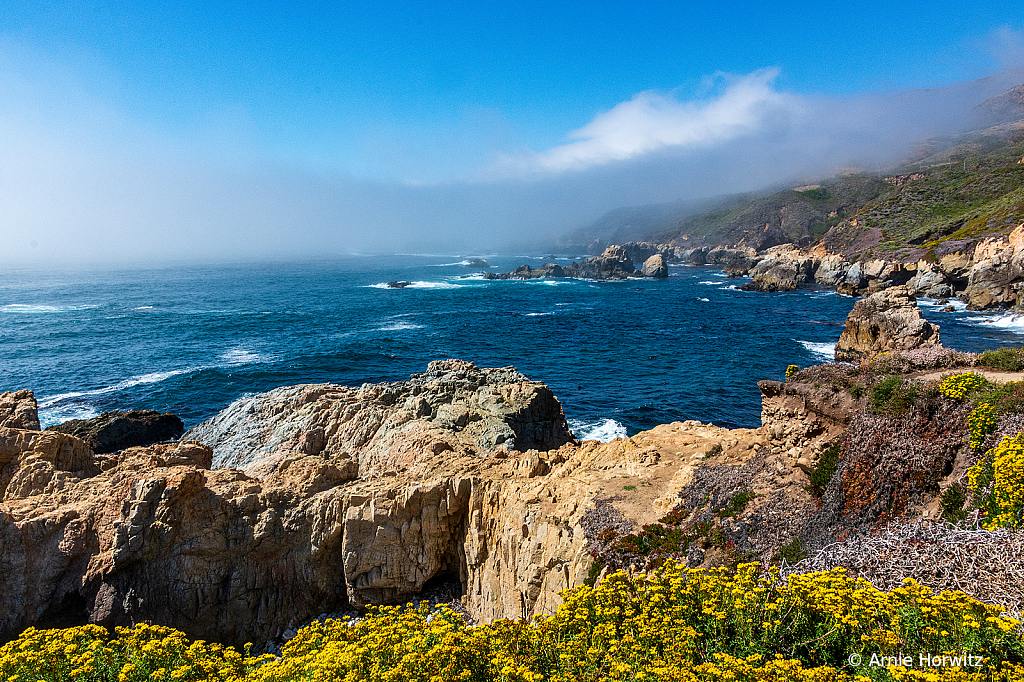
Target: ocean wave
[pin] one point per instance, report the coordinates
(602, 430)
(1007, 321)
(25, 309)
(144, 307)
(826, 351)
(709, 283)
(706, 300)
(730, 287)
(536, 314)
(150, 378)
(399, 326)
(239, 356)
(415, 285)
(63, 413)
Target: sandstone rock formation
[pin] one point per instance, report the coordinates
(997, 276)
(116, 430)
(154, 534)
(454, 405)
(884, 321)
(18, 410)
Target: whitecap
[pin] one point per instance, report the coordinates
(706, 300)
(239, 356)
(63, 413)
(416, 285)
(710, 283)
(399, 326)
(826, 351)
(1008, 321)
(150, 378)
(731, 287)
(602, 430)
(144, 307)
(24, 309)
(536, 314)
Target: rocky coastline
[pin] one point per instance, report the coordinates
(320, 498)
(985, 273)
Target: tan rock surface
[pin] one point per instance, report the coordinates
(884, 321)
(154, 534)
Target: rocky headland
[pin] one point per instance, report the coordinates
(314, 499)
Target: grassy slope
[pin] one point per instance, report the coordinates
(932, 200)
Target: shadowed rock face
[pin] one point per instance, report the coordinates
(884, 321)
(116, 430)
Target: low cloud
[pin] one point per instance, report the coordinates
(653, 121)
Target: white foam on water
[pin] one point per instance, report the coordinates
(602, 430)
(399, 326)
(24, 309)
(826, 351)
(63, 413)
(710, 283)
(416, 285)
(536, 314)
(144, 307)
(732, 287)
(1007, 321)
(150, 378)
(239, 356)
(706, 300)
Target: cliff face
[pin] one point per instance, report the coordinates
(316, 523)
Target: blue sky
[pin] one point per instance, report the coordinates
(338, 104)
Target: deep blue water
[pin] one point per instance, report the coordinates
(191, 339)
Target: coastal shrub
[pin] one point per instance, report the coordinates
(997, 484)
(952, 501)
(981, 422)
(960, 386)
(1005, 359)
(893, 395)
(672, 624)
(145, 652)
(794, 551)
(791, 370)
(821, 475)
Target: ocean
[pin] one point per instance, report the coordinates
(621, 356)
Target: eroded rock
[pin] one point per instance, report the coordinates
(884, 321)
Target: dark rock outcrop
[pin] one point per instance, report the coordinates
(884, 321)
(614, 263)
(116, 430)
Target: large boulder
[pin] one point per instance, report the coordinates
(655, 266)
(116, 430)
(453, 405)
(884, 321)
(18, 410)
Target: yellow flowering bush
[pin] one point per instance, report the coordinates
(959, 386)
(673, 624)
(981, 421)
(145, 652)
(997, 482)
